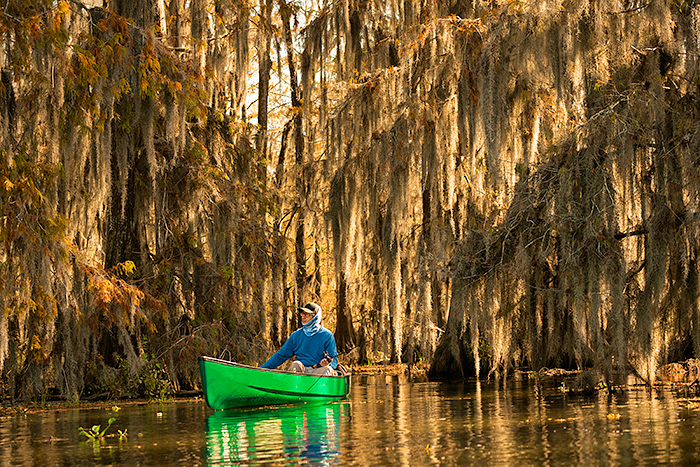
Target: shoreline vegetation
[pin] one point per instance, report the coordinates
(680, 377)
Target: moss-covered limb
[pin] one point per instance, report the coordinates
(600, 219)
(131, 205)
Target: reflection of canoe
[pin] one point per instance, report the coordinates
(299, 434)
(228, 384)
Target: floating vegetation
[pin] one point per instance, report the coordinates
(96, 433)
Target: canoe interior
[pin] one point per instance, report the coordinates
(228, 385)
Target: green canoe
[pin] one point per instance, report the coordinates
(228, 384)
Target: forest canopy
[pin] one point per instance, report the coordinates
(479, 185)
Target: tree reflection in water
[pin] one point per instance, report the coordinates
(287, 434)
(390, 421)
(387, 421)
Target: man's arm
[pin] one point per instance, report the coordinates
(282, 355)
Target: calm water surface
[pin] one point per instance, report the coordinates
(386, 421)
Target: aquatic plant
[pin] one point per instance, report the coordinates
(96, 433)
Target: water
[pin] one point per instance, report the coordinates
(386, 421)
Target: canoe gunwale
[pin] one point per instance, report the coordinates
(248, 367)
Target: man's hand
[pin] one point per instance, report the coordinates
(325, 362)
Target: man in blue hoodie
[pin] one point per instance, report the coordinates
(308, 344)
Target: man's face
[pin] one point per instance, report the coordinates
(306, 317)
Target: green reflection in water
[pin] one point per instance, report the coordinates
(287, 434)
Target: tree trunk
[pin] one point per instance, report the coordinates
(265, 65)
(345, 335)
(301, 274)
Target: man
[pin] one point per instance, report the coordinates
(308, 344)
